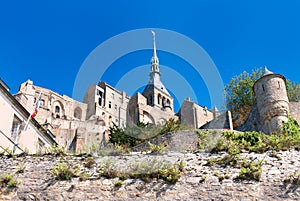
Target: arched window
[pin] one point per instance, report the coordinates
(57, 109)
(159, 99)
(163, 101)
(42, 102)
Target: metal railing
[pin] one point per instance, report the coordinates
(15, 145)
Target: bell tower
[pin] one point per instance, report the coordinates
(156, 93)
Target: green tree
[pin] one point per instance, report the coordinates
(240, 96)
(118, 136)
(169, 126)
(135, 134)
(292, 89)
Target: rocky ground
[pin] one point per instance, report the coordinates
(198, 181)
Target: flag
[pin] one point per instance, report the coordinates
(37, 105)
(36, 109)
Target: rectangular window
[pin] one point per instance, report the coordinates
(40, 145)
(100, 101)
(109, 104)
(113, 96)
(116, 106)
(100, 97)
(16, 128)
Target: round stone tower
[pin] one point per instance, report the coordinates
(272, 101)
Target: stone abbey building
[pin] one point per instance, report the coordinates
(78, 125)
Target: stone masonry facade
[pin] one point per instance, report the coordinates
(198, 181)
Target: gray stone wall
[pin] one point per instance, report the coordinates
(193, 115)
(295, 110)
(198, 182)
(90, 100)
(252, 123)
(223, 121)
(179, 141)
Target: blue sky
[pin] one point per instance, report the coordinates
(48, 41)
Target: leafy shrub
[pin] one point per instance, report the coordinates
(83, 176)
(236, 142)
(286, 138)
(250, 171)
(170, 174)
(291, 127)
(123, 148)
(221, 177)
(156, 148)
(145, 170)
(89, 162)
(120, 137)
(228, 159)
(119, 183)
(8, 181)
(64, 171)
(7, 152)
(107, 169)
(169, 126)
(133, 135)
(57, 150)
(21, 168)
(207, 139)
(293, 179)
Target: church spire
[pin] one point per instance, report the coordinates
(154, 71)
(154, 60)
